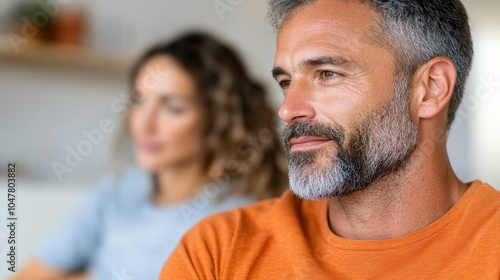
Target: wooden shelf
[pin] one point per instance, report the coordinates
(68, 56)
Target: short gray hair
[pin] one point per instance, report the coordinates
(416, 31)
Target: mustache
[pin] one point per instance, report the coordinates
(314, 129)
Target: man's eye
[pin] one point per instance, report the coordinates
(284, 84)
(326, 75)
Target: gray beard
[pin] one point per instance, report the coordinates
(379, 146)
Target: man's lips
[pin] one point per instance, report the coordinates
(304, 142)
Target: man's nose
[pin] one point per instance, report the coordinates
(297, 103)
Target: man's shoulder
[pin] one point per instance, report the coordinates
(479, 209)
(261, 217)
(256, 215)
(485, 195)
(487, 188)
(485, 199)
(208, 246)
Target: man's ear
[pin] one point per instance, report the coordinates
(433, 86)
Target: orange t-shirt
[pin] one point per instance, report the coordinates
(289, 238)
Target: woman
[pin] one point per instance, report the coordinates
(203, 137)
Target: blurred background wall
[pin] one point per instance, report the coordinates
(51, 94)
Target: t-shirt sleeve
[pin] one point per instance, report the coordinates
(73, 244)
(201, 251)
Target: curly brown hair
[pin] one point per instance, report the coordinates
(241, 142)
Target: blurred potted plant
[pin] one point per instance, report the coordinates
(41, 21)
(29, 20)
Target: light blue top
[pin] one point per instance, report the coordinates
(117, 233)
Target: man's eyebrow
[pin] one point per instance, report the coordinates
(277, 71)
(326, 60)
(317, 61)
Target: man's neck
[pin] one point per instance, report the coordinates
(398, 204)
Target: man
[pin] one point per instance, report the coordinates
(370, 88)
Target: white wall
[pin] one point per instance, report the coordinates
(481, 105)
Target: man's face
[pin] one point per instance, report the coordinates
(347, 118)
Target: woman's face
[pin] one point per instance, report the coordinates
(166, 116)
